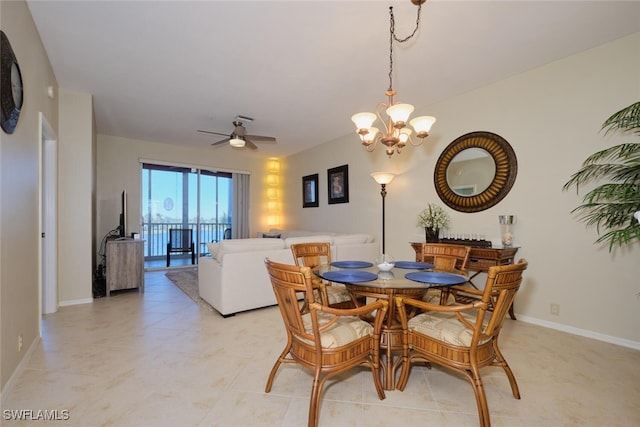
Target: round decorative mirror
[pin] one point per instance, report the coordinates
(475, 171)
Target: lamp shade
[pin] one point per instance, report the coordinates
(400, 113)
(371, 135)
(363, 120)
(383, 177)
(236, 142)
(422, 124)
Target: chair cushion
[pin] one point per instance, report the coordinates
(337, 294)
(347, 329)
(433, 297)
(444, 327)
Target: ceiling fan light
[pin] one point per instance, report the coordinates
(236, 142)
(400, 113)
(422, 125)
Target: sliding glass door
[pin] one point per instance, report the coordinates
(187, 198)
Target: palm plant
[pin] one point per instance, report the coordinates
(611, 206)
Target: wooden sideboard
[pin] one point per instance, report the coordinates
(480, 259)
(125, 264)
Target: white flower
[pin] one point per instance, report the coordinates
(433, 216)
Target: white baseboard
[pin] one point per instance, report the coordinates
(18, 370)
(581, 332)
(76, 302)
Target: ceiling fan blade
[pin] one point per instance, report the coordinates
(222, 141)
(213, 133)
(262, 139)
(249, 144)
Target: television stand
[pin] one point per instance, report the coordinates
(125, 264)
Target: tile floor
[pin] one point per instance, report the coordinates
(158, 359)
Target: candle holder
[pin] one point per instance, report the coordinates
(506, 229)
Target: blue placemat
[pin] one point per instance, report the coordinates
(352, 264)
(413, 265)
(349, 276)
(435, 278)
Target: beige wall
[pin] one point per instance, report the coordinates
(75, 195)
(119, 167)
(19, 186)
(551, 116)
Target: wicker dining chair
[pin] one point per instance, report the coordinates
(463, 338)
(313, 255)
(327, 340)
(450, 258)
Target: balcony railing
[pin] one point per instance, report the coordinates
(156, 236)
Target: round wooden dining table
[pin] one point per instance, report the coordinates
(412, 281)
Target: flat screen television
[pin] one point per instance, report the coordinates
(122, 227)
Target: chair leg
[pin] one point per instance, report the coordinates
(314, 401)
(281, 359)
(481, 398)
(503, 362)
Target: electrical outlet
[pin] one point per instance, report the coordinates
(19, 343)
(555, 309)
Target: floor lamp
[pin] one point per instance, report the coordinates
(383, 178)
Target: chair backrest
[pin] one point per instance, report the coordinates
(500, 290)
(446, 256)
(288, 281)
(227, 234)
(311, 254)
(180, 238)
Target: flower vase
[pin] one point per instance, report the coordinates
(431, 234)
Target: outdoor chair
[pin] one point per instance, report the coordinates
(462, 338)
(326, 340)
(181, 241)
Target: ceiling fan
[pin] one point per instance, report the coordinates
(239, 138)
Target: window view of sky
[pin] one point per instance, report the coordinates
(164, 198)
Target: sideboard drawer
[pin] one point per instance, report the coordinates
(480, 264)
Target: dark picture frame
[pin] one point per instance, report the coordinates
(310, 191)
(338, 184)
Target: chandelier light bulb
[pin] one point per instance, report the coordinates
(404, 135)
(363, 121)
(422, 125)
(399, 114)
(370, 136)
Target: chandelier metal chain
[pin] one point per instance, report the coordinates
(392, 37)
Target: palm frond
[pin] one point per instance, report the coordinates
(611, 205)
(627, 119)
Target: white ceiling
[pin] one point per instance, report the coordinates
(160, 70)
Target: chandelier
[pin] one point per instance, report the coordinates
(396, 134)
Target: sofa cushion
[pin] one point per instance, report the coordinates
(248, 245)
(213, 248)
(308, 239)
(348, 239)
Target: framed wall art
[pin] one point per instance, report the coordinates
(310, 191)
(338, 184)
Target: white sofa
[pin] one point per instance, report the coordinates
(234, 278)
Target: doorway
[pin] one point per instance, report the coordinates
(48, 196)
